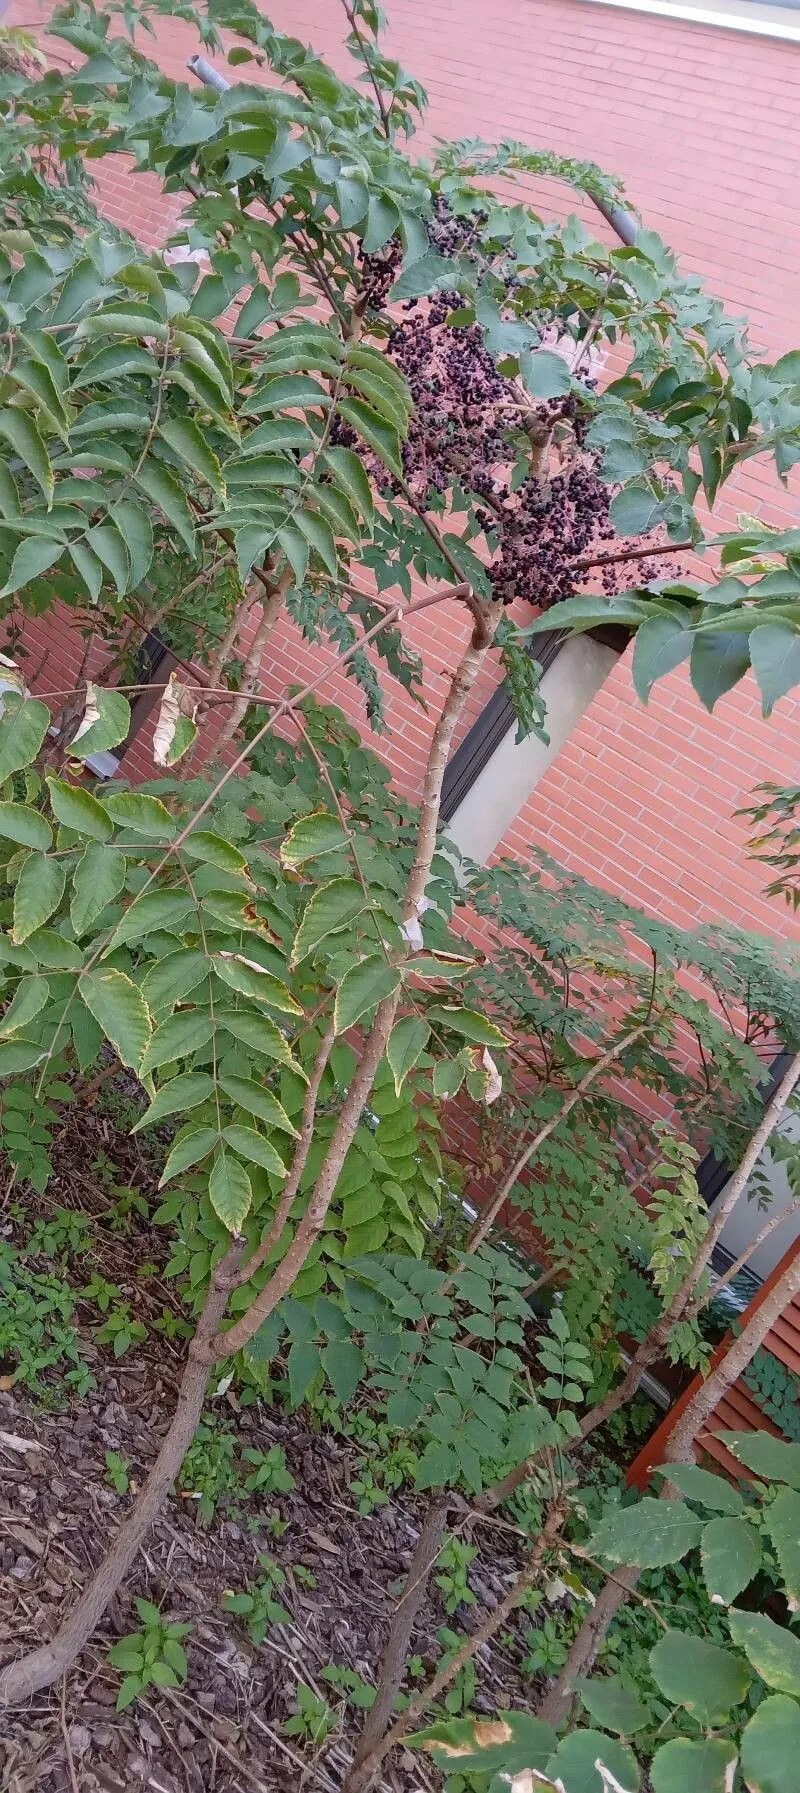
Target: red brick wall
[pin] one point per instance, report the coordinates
(699, 122)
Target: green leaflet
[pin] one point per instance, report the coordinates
(652, 1533)
(172, 977)
(188, 1149)
(686, 1767)
(99, 877)
(258, 1101)
(773, 1651)
(19, 428)
(311, 836)
(783, 1524)
(331, 908)
(574, 1762)
(693, 1673)
(407, 1042)
(250, 1144)
(29, 998)
(177, 1097)
(770, 1749)
(612, 1704)
(362, 988)
(177, 1037)
(469, 1024)
(731, 1555)
(713, 1491)
(261, 1034)
(230, 1191)
(187, 441)
(166, 909)
(145, 815)
(120, 1009)
(243, 974)
(37, 894)
(23, 726)
(213, 850)
(79, 810)
(106, 722)
(26, 826)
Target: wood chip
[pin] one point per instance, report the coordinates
(12, 1442)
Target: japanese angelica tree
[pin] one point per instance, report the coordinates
(184, 445)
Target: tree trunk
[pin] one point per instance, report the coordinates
(557, 1703)
(731, 1364)
(396, 1653)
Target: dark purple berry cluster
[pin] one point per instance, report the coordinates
(533, 485)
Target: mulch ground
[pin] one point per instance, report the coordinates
(222, 1730)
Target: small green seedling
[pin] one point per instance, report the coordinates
(152, 1657)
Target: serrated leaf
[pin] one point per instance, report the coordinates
(99, 877)
(166, 909)
(770, 1749)
(378, 435)
(106, 721)
(252, 1145)
(661, 645)
(261, 1034)
(245, 975)
(331, 908)
(20, 429)
(303, 1364)
(177, 1097)
(574, 1763)
(683, 1766)
(407, 1042)
(706, 1680)
(319, 536)
(189, 1150)
(172, 978)
(468, 1023)
(311, 837)
(650, 1534)
(613, 1705)
(770, 1458)
(545, 374)
(712, 1491)
(717, 663)
(29, 998)
(635, 511)
(37, 894)
(32, 558)
(448, 1076)
(362, 988)
(106, 542)
(136, 531)
(163, 489)
(79, 810)
(230, 1191)
(177, 1037)
(730, 1552)
(187, 441)
(773, 1651)
(258, 1101)
(26, 826)
(782, 1518)
(775, 659)
(145, 815)
(23, 726)
(212, 849)
(343, 1363)
(513, 1743)
(120, 1009)
(348, 473)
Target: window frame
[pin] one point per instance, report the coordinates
(758, 17)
